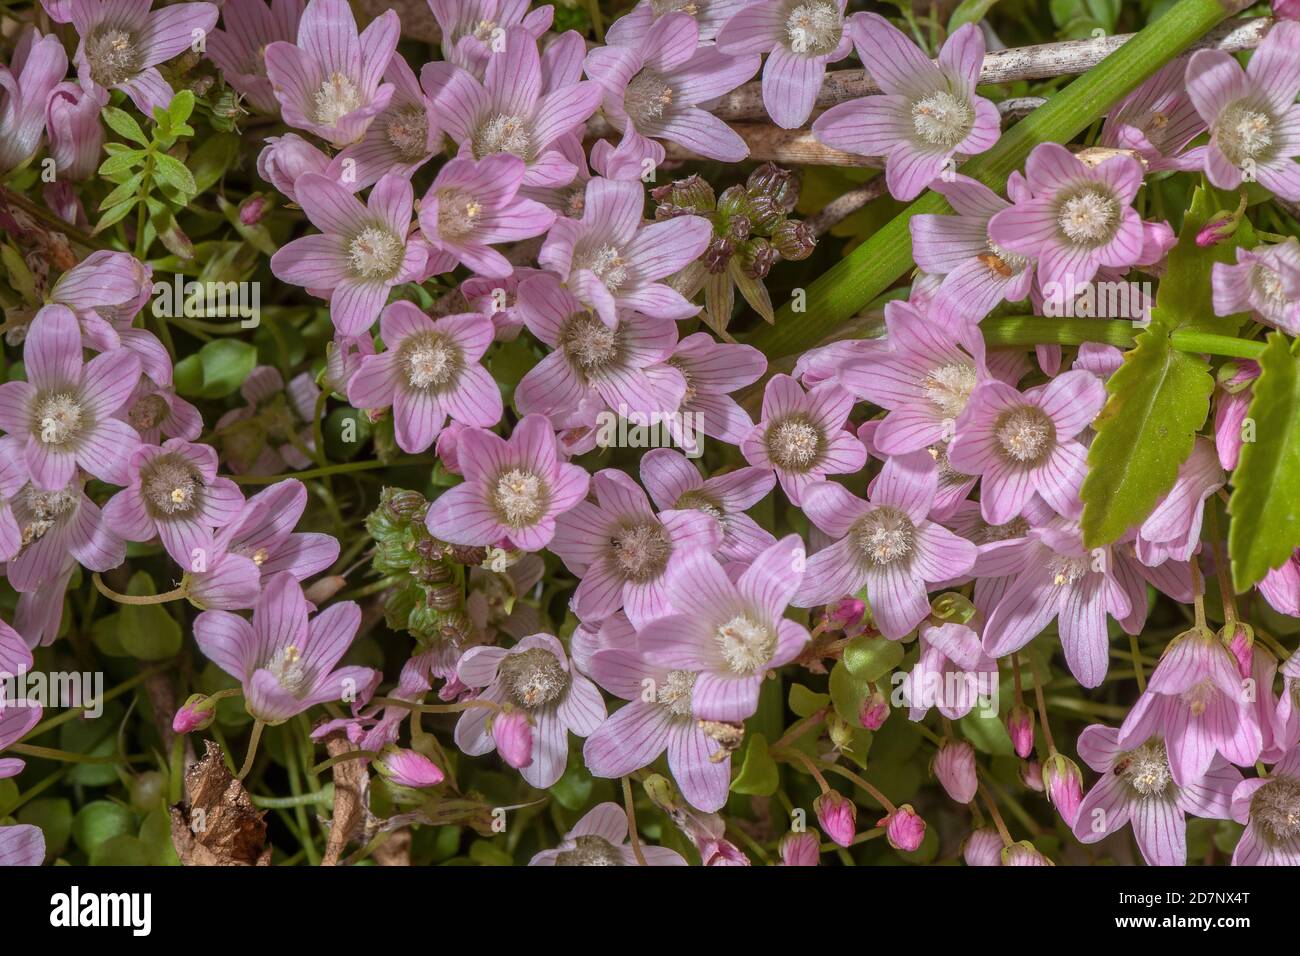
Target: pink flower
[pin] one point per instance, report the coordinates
(471, 27)
(874, 711)
(800, 38)
(622, 550)
(286, 661)
(173, 492)
(514, 489)
(800, 849)
(498, 299)
(65, 410)
(713, 370)
(197, 713)
(1020, 728)
(409, 768)
(239, 51)
(75, 133)
(709, 16)
(952, 672)
(837, 816)
(401, 139)
(954, 765)
(123, 42)
(929, 113)
(284, 159)
(361, 252)
(1251, 113)
(653, 89)
(1138, 787)
(1270, 809)
(1064, 786)
(904, 829)
(802, 436)
(887, 544)
(1265, 281)
(1173, 529)
(1289, 9)
(1199, 703)
(600, 839)
(535, 677)
(512, 111)
(329, 82)
(977, 273)
(619, 366)
(610, 261)
(427, 371)
(1026, 443)
(474, 204)
(17, 716)
(1024, 853)
(22, 845)
(639, 733)
(731, 633)
(49, 532)
(1232, 403)
(673, 482)
(1157, 120)
(1079, 220)
(154, 411)
(26, 83)
(513, 736)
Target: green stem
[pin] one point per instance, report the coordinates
(324, 795)
(1026, 330)
(64, 756)
(340, 469)
(876, 264)
(173, 595)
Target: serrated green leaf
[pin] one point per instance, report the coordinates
(124, 191)
(969, 11)
(172, 172)
(121, 162)
(758, 774)
(113, 215)
(123, 124)
(1185, 295)
(1159, 398)
(1265, 503)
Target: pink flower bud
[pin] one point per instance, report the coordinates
(846, 611)
(1064, 785)
(837, 816)
(514, 738)
(409, 768)
(1024, 854)
(1020, 727)
(251, 209)
(874, 710)
(197, 713)
(904, 829)
(1220, 227)
(954, 765)
(722, 853)
(983, 848)
(800, 849)
(1031, 775)
(1242, 647)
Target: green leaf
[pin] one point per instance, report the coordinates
(1265, 527)
(871, 658)
(226, 363)
(758, 775)
(20, 277)
(117, 213)
(121, 162)
(124, 850)
(1159, 398)
(54, 817)
(1185, 296)
(170, 171)
(805, 702)
(181, 107)
(210, 161)
(123, 124)
(147, 631)
(188, 376)
(986, 732)
(969, 11)
(847, 693)
(100, 821)
(124, 192)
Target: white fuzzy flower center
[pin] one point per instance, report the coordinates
(1066, 570)
(149, 412)
(44, 509)
(795, 444)
(590, 345)
(408, 132)
(948, 387)
(1026, 435)
(1089, 216)
(290, 670)
(1245, 135)
(647, 97)
(1146, 769)
(58, 418)
(1003, 261)
(942, 120)
(699, 501)
(335, 98)
(607, 262)
(590, 850)
(1276, 808)
(458, 213)
(641, 550)
(519, 497)
(674, 692)
(1268, 283)
(534, 678)
(429, 360)
(503, 134)
(170, 485)
(660, 7)
(745, 644)
(484, 30)
(813, 28)
(884, 535)
(113, 55)
(376, 253)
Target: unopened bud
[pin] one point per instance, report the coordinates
(409, 768)
(1024, 854)
(1031, 775)
(837, 816)
(757, 256)
(689, 196)
(781, 185)
(800, 849)
(874, 710)
(197, 713)
(982, 848)
(514, 738)
(1064, 785)
(954, 765)
(1020, 728)
(251, 209)
(904, 829)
